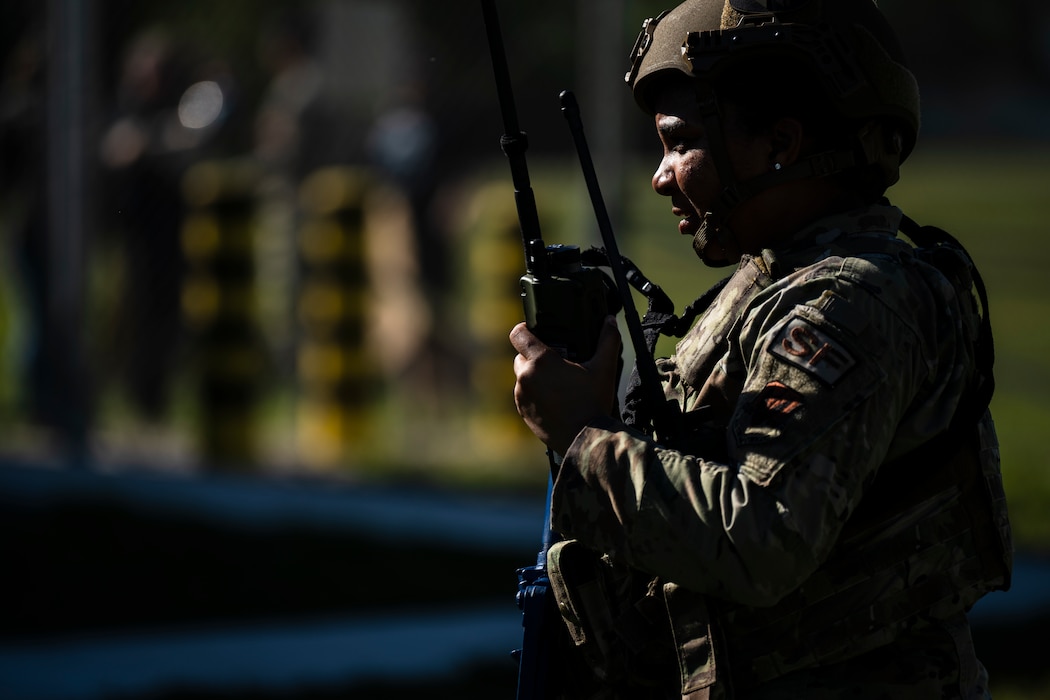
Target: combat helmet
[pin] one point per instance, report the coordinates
(845, 45)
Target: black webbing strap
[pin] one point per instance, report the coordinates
(659, 320)
(980, 395)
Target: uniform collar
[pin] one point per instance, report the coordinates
(878, 219)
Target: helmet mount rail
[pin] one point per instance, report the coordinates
(764, 36)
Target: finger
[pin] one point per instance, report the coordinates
(526, 342)
(520, 364)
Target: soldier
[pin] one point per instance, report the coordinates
(830, 504)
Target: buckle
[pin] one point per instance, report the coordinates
(641, 46)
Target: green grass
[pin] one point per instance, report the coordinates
(996, 202)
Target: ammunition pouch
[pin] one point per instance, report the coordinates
(620, 621)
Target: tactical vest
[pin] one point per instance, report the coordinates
(931, 550)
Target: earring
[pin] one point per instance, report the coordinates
(777, 166)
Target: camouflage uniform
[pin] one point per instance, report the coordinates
(784, 566)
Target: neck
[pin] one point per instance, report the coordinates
(780, 212)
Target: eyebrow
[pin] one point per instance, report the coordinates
(673, 127)
(669, 125)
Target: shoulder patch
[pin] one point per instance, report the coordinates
(803, 345)
(779, 398)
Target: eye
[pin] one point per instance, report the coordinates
(680, 135)
(687, 141)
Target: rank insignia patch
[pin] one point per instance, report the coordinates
(779, 398)
(801, 344)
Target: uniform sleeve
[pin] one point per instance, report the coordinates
(827, 368)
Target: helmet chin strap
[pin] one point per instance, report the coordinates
(708, 235)
(714, 228)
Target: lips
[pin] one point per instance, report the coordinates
(690, 221)
(688, 226)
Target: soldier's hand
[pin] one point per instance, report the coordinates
(556, 397)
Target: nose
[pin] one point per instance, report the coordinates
(663, 178)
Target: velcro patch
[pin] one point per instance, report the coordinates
(801, 344)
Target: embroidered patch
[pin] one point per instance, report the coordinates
(804, 346)
(780, 398)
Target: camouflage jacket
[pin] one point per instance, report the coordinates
(817, 368)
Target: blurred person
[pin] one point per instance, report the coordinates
(826, 503)
(167, 113)
(403, 146)
(298, 125)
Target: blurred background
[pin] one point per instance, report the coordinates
(259, 261)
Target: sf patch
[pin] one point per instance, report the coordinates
(803, 345)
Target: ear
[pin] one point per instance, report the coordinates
(786, 144)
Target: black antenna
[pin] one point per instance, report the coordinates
(514, 143)
(662, 410)
(534, 597)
